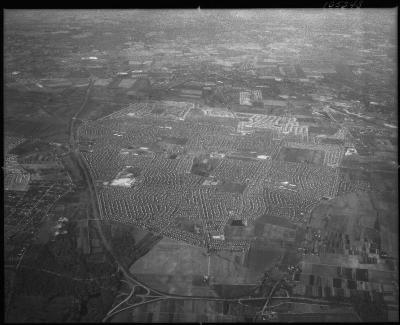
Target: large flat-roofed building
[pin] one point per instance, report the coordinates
(56, 82)
(102, 82)
(135, 62)
(319, 70)
(127, 83)
(274, 102)
(194, 93)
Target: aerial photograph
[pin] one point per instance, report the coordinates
(200, 165)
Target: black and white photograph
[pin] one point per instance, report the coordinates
(201, 165)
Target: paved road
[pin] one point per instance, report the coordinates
(75, 154)
(270, 295)
(72, 130)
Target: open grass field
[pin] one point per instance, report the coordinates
(176, 267)
(345, 213)
(301, 155)
(273, 220)
(262, 256)
(37, 128)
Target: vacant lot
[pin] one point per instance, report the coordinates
(175, 140)
(231, 187)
